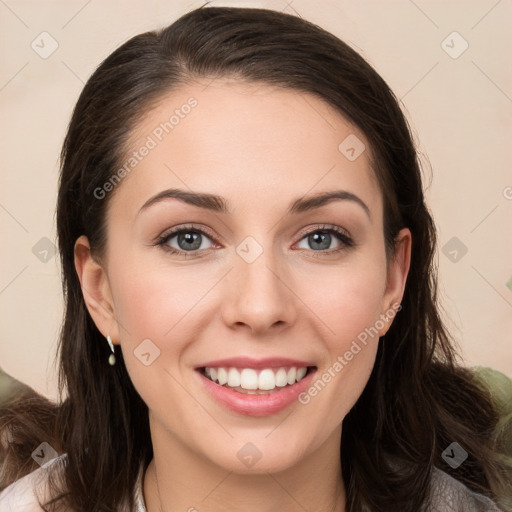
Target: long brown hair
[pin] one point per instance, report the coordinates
(417, 400)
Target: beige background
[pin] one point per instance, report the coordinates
(459, 108)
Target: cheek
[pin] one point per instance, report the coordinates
(347, 303)
(151, 305)
(162, 304)
(346, 299)
(151, 300)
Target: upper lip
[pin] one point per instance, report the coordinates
(249, 362)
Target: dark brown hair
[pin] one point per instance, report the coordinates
(417, 400)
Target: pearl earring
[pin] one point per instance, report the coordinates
(111, 357)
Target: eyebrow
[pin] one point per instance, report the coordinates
(218, 204)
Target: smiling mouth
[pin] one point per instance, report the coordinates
(256, 381)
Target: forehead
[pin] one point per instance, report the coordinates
(245, 140)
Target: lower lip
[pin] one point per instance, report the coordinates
(257, 405)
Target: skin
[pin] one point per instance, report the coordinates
(260, 148)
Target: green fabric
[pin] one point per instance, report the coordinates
(501, 391)
(8, 386)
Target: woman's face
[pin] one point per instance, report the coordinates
(255, 282)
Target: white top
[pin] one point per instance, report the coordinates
(449, 494)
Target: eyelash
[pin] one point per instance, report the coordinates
(346, 241)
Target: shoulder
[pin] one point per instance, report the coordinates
(26, 494)
(451, 494)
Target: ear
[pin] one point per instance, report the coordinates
(95, 289)
(398, 269)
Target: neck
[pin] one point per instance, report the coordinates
(178, 479)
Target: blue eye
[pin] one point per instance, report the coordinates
(191, 241)
(187, 240)
(322, 238)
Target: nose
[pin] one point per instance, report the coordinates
(259, 296)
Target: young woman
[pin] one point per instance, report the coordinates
(251, 318)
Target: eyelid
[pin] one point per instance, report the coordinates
(313, 228)
(169, 233)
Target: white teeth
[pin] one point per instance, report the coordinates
(300, 373)
(233, 378)
(266, 380)
(249, 379)
(222, 376)
(292, 373)
(281, 378)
